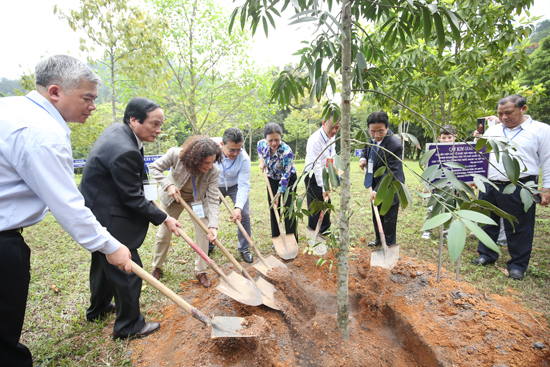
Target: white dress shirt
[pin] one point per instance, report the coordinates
(36, 166)
(316, 143)
(532, 141)
(233, 172)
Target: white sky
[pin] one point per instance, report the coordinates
(29, 30)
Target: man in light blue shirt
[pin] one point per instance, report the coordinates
(234, 182)
(37, 174)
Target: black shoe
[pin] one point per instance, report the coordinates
(210, 251)
(482, 261)
(375, 243)
(247, 256)
(515, 274)
(148, 328)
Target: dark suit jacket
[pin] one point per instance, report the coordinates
(112, 186)
(384, 158)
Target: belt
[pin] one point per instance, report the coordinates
(523, 179)
(11, 231)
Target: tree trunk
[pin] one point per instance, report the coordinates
(250, 142)
(343, 253)
(192, 110)
(113, 85)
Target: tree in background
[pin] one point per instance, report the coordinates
(538, 74)
(542, 30)
(344, 45)
(130, 38)
(210, 79)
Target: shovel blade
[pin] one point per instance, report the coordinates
(268, 291)
(272, 262)
(316, 241)
(286, 248)
(227, 327)
(385, 259)
(240, 289)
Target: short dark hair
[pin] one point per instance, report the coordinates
(196, 149)
(232, 134)
(139, 109)
(517, 99)
(447, 130)
(272, 128)
(378, 117)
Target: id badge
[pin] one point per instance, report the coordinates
(370, 166)
(198, 209)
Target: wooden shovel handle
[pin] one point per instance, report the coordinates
(276, 210)
(197, 249)
(136, 269)
(379, 222)
(245, 234)
(216, 241)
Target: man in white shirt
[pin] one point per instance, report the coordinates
(37, 174)
(320, 151)
(531, 139)
(234, 182)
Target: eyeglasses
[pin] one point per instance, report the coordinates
(233, 151)
(378, 133)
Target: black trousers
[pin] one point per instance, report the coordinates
(15, 276)
(389, 223)
(291, 225)
(108, 281)
(315, 192)
(520, 238)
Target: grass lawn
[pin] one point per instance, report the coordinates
(58, 334)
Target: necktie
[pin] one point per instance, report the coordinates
(370, 175)
(141, 151)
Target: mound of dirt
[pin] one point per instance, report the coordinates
(398, 318)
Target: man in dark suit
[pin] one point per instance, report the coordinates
(112, 186)
(386, 150)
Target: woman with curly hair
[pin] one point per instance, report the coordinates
(277, 159)
(194, 176)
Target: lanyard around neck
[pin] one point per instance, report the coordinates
(330, 148)
(512, 138)
(225, 169)
(194, 189)
(39, 105)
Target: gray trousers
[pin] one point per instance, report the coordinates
(245, 213)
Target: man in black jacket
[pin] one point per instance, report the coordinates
(112, 186)
(386, 150)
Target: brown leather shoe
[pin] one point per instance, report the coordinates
(157, 273)
(148, 328)
(203, 279)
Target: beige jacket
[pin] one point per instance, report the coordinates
(205, 183)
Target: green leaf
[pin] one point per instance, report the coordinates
(475, 216)
(361, 61)
(481, 235)
(338, 162)
(407, 195)
(511, 169)
(509, 189)
(430, 172)
(326, 180)
(427, 24)
(454, 165)
(232, 19)
(380, 171)
(264, 21)
(332, 175)
(426, 157)
(480, 144)
(388, 201)
(456, 239)
(440, 31)
(436, 221)
(479, 183)
(382, 188)
(361, 136)
(526, 198)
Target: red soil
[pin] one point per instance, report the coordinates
(398, 318)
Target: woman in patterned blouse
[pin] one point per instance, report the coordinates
(276, 156)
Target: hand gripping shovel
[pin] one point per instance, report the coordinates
(316, 241)
(221, 326)
(387, 257)
(285, 244)
(265, 264)
(267, 289)
(234, 285)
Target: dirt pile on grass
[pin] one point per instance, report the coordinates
(398, 318)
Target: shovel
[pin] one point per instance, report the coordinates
(387, 257)
(285, 244)
(222, 327)
(234, 285)
(267, 289)
(316, 241)
(265, 264)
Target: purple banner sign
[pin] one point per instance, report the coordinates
(462, 153)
